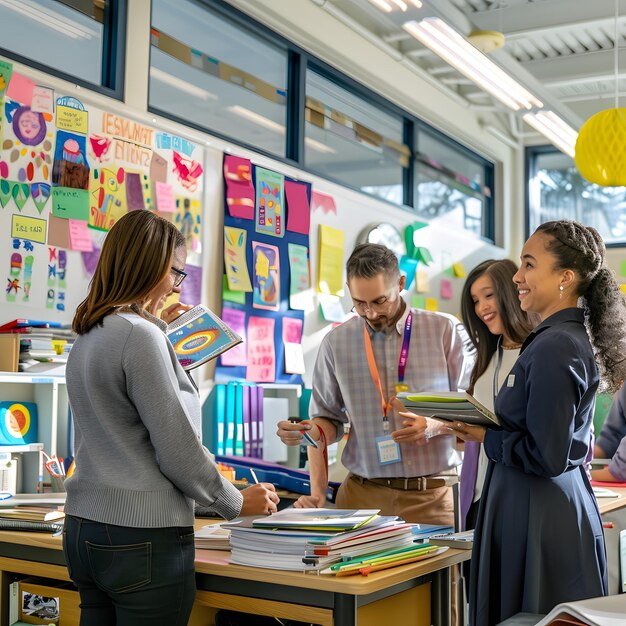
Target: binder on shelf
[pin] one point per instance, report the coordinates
(245, 411)
(229, 420)
(239, 445)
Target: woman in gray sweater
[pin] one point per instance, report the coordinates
(140, 462)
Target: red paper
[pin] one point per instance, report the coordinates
(323, 201)
(298, 210)
(239, 189)
(603, 483)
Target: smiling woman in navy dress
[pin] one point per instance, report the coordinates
(539, 537)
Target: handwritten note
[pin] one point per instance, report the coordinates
(43, 100)
(70, 203)
(261, 352)
(31, 228)
(80, 238)
(165, 200)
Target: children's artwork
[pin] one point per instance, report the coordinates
(261, 366)
(331, 251)
(40, 192)
(26, 154)
(107, 197)
(43, 101)
(165, 200)
(323, 201)
(299, 276)
(136, 186)
(6, 69)
(188, 219)
(21, 89)
(235, 259)
(270, 213)
(230, 295)
(187, 171)
(265, 277)
(58, 232)
(71, 115)
(70, 168)
(191, 289)
(80, 239)
(298, 209)
(239, 188)
(236, 319)
(292, 330)
(30, 228)
(158, 168)
(70, 203)
(99, 147)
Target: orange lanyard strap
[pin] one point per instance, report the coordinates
(371, 362)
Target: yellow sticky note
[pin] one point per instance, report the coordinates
(31, 228)
(71, 118)
(432, 304)
(421, 281)
(459, 270)
(331, 251)
(623, 288)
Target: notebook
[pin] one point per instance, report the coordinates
(451, 406)
(199, 336)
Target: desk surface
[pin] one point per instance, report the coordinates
(611, 504)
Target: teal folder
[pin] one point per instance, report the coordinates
(229, 419)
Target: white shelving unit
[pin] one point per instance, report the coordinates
(50, 395)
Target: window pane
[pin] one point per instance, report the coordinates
(557, 191)
(208, 71)
(66, 36)
(451, 186)
(352, 141)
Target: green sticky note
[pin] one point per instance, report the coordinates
(232, 296)
(424, 255)
(622, 268)
(70, 203)
(6, 71)
(418, 302)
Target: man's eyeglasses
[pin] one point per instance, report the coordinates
(180, 276)
(378, 306)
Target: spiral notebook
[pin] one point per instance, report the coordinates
(199, 336)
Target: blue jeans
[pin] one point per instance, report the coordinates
(130, 576)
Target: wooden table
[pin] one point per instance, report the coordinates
(613, 511)
(417, 594)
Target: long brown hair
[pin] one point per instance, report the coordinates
(517, 325)
(135, 258)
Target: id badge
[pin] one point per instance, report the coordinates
(388, 450)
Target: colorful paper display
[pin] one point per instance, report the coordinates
(331, 253)
(261, 352)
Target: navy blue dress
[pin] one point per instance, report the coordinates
(538, 538)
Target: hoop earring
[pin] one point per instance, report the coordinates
(560, 292)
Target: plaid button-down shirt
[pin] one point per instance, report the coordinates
(344, 392)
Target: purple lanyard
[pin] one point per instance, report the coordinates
(404, 351)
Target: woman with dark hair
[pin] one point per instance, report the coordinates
(539, 539)
(128, 537)
(497, 327)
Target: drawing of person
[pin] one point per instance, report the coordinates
(29, 127)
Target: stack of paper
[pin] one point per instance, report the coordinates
(213, 537)
(315, 539)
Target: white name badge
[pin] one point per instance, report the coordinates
(388, 450)
(510, 381)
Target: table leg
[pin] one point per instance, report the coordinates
(344, 610)
(440, 597)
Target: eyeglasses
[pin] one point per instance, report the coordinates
(180, 276)
(379, 306)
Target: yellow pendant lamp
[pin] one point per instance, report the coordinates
(600, 154)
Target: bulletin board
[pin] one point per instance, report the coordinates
(68, 172)
(266, 267)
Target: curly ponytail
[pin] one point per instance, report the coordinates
(581, 248)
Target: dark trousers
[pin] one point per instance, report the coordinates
(130, 576)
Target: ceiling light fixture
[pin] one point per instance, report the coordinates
(173, 81)
(390, 5)
(261, 120)
(51, 19)
(558, 132)
(453, 48)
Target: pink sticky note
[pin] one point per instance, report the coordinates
(21, 89)
(80, 238)
(298, 210)
(42, 100)
(236, 319)
(261, 352)
(445, 289)
(323, 201)
(191, 289)
(292, 330)
(166, 203)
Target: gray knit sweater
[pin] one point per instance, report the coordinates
(139, 456)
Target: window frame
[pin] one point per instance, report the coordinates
(299, 62)
(113, 55)
(531, 156)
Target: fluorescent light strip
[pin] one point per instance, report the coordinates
(50, 19)
(458, 52)
(183, 85)
(389, 5)
(261, 120)
(554, 129)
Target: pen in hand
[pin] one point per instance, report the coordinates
(254, 478)
(309, 440)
